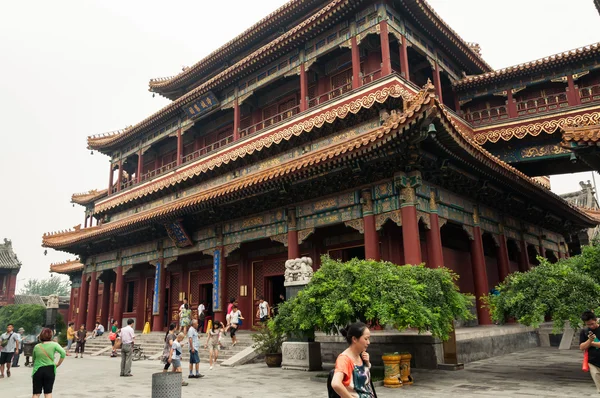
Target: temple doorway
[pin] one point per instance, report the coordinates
(206, 295)
(273, 288)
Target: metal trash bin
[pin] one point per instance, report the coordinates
(166, 385)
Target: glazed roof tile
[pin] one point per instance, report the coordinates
(265, 140)
(67, 267)
(422, 105)
(530, 67)
(581, 135)
(266, 25)
(8, 258)
(29, 299)
(326, 154)
(104, 141)
(471, 50)
(88, 197)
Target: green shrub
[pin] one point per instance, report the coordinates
(375, 292)
(562, 291)
(30, 317)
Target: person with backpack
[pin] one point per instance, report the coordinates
(351, 377)
(10, 346)
(44, 367)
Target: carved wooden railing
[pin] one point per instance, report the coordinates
(207, 149)
(270, 121)
(548, 103)
(161, 170)
(336, 92)
(488, 115)
(589, 93)
(371, 76)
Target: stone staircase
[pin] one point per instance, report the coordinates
(153, 344)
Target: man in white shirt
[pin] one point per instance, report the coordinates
(98, 330)
(127, 338)
(10, 346)
(194, 347)
(201, 316)
(263, 310)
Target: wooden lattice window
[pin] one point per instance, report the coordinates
(232, 281)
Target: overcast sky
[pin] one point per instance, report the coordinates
(69, 69)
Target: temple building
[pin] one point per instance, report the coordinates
(346, 128)
(9, 269)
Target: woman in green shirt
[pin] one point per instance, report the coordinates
(44, 368)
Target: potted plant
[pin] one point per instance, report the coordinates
(268, 342)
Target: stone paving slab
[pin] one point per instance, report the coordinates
(541, 372)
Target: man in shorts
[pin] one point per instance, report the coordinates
(194, 342)
(10, 346)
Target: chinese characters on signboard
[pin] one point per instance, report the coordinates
(216, 277)
(177, 234)
(156, 298)
(202, 105)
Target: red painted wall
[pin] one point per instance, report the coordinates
(460, 262)
(492, 272)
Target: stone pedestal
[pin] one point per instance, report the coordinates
(301, 356)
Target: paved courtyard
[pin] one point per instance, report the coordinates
(541, 372)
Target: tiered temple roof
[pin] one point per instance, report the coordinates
(420, 10)
(86, 198)
(423, 105)
(8, 258)
(526, 68)
(67, 266)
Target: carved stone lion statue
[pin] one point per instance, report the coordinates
(52, 301)
(298, 270)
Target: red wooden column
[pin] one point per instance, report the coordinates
(110, 179)
(573, 97)
(71, 305)
(83, 301)
(510, 104)
(104, 309)
(292, 237)
(479, 271)
(372, 251)
(404, 71)
(435, 253)
(502, 256)
(158, 303)
(523, 257)
(356, 80)
(120, 175)
(85, 221)
(437, 82)
(541, 248)
(303, 88)
(93, 302)
(386, 62)
(118, 296)
(236, 121)
(179, 146)
(140, 167)
(140, 310)
(407, 182)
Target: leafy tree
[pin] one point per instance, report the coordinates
(31, 317)
(46, 287)
(375, 292)
(562, 290)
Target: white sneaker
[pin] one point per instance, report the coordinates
(211, 368)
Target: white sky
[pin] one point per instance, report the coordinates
(70, 69)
